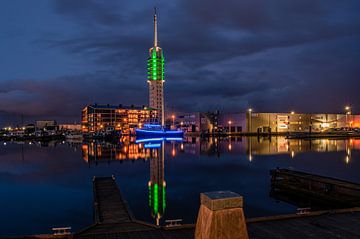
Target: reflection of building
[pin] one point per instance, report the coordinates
(157, 184)
(266, 146)
(108, 117)
(94, 152)
(155, 78)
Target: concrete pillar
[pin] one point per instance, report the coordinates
(221, 216)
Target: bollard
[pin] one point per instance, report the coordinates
(221, 216)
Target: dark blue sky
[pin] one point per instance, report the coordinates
(59, 55)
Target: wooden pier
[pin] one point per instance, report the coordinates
(321, 191)
(109, 207)
(113, 219)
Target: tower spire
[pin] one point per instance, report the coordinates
(155, 29)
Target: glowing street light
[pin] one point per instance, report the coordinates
(250, 110)
(229, 126)
(173, 119)
(292, 112)
(347, 112)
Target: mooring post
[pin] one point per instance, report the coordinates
(221, 215)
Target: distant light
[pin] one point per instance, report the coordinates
(292, 112)
(5, 143)
(347, 107)
(229, 122)
(250, 110)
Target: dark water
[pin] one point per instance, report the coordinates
(45, 186)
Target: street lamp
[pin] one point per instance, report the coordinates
(250, 110)
(347, 112)
(173, 119)
(229, 126)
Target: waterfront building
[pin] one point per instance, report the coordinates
(232, 122)
(97, 118)
(258, 122)
(195, 122)
(70, 127)
(46, 124)
(298, 122)
(155, 76)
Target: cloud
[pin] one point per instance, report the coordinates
(276, 56)
(65, 96)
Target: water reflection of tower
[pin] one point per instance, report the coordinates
(157, 184)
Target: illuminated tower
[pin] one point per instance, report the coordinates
(155, 77)
(157, 184)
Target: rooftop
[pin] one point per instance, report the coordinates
(120, 106)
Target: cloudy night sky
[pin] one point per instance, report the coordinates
(57, 56)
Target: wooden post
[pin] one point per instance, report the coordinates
(221, 215)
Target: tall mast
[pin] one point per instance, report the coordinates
(155, 29)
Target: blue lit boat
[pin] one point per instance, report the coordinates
(154, 130)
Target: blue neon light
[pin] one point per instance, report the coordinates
(157, 140)
(152, 146)
(174, 139)
(152, 125)
(148, 140)
(159, 131)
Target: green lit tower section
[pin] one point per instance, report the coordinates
(157, 184)
(155, 76)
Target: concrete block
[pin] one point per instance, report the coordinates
(221, 216)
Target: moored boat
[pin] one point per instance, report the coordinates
(151, 130)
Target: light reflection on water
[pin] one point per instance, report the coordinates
(47, 185)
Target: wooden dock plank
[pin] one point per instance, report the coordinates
(110, 205)
(322, 192)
